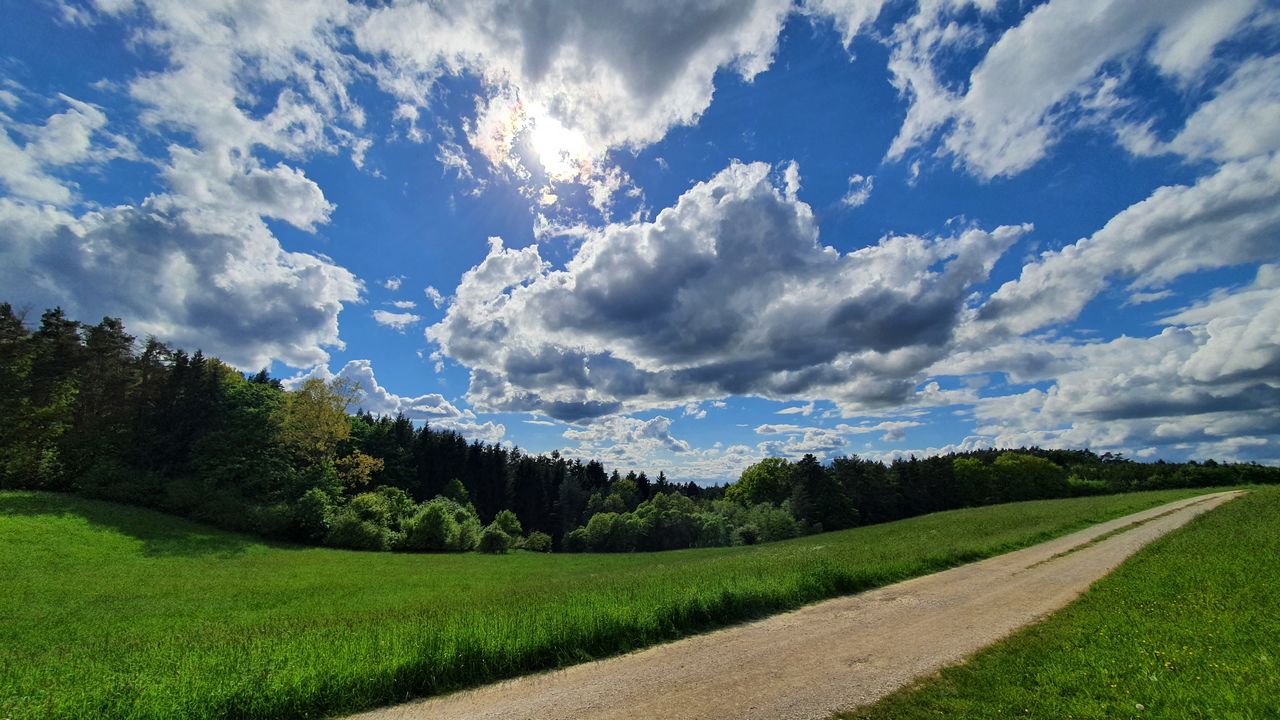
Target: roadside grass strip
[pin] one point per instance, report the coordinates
(1188, 628)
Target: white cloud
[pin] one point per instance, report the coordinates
(850, 17)
(626, 441)
(396, 320)
(1227, 218)
(403, 304)
(193, 278)
(1019, 99)
(66, 139)
(393, 283)
(806, 410)
(434, 296)
(1215, 130)
(376, 399)
(859, 191)
(217, 181)
(1209, 381)
(655, 314)
(564, 83)
(615, 88)
(432, 408)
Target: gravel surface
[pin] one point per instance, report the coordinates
(826, 657)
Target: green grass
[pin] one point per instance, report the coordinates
(1187, 628)
(108, 611)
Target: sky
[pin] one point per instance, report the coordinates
(677, 236)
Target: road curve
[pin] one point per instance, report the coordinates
(827, 657)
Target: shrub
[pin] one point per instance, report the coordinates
(576, 540)
(349, 531)
(433, 528)
(311, 515)
(275, 520)
(493, 540)
(442, 525)
(371, 507)
(536, 542)
(746, 535)
(613, 532)
(508, 523)
(713, 530)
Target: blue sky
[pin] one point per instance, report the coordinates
(678, 236)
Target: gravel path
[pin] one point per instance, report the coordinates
(827, 657)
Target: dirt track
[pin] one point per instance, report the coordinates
(826, 657)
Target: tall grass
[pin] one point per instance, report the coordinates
(116, 612)
(1189, 628)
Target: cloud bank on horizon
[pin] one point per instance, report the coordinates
(678, 236)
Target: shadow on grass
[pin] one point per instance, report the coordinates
(161, 535)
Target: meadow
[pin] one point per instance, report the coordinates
(114, 611)
(1187, 628)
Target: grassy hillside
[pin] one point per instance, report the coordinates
(1188, 628)
(112, 611)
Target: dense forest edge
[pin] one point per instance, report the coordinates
(90, 410)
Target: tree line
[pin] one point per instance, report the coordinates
(89, 409)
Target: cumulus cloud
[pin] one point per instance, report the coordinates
(1025, 91)
(627, 441)
(616, 88)
(656, 314)
(564, 83)
(1209, 382)
(196, 265)
(431, 408)
(218, 181)
(194, 278)
(376, 399)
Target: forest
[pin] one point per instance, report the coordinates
(89, 409)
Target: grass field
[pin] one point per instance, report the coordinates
(109, 611)
(1188, 628)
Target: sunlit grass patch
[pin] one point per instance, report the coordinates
(1188, 628)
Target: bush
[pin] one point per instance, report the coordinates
(508, 523)
(442, 525)
(746, 535)
(493, 540)
(275, 520)
(713, 530)
(576, 540)
(371, 507)
(536, 542)
(773, 523)
(613, 532)
(432, 528)
(311, 515)
(349, 531)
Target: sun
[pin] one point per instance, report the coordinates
(563, 152)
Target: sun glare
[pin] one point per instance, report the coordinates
(562, 152)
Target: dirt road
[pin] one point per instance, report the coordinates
(826, 657)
